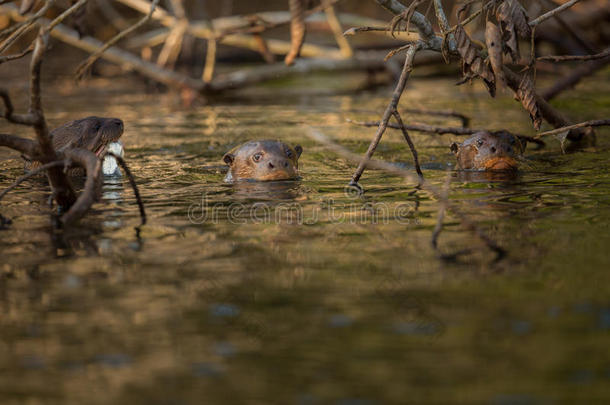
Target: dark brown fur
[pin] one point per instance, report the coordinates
(263, 160)
(489, 151)
(91, 133)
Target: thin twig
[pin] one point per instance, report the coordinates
(25, 26)
(8, 58)
(355, 30)
(29, 174)
(60, 18)
(552, 13)
(445, 130)
(570, 80)
(592, 123)
(392, 106)
(567, 58)
(133, 184)
(85, 65)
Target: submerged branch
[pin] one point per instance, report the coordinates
(133, 184)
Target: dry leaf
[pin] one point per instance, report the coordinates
(513, 22)
(526, 94)
(493, 39)
(472, 62)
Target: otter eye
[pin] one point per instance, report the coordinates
(257, 157)
(480, 142)
(289, 153)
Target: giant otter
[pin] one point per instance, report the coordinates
(496, 151)
(262, 160)
(96, 134)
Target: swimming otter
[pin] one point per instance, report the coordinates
(96, 134)
(488, 151)
(92, 133)
(262, 160)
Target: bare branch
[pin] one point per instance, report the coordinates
(133, 184)
(574, 77)
(592, 123)
(419, 20)
(82, 69)
(62, 189)
(8, 113)
(445, 130)
(25, 26)
(568, 58)
(60, 18)
(23, 145)
(552, 13)
(8, 58)
(91, 190)
(392, 106)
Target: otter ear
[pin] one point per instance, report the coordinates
(454, 147)
(298, 149)
(228, 158)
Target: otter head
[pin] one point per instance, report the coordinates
(488, 151)
(91, 133)
(263, 160)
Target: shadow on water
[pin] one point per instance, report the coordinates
(296, 291)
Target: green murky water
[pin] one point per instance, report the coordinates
(297, 292)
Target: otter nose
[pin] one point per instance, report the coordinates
(271, 165)
(493, 149)
(286, 164)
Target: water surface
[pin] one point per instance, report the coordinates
(297, 292)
